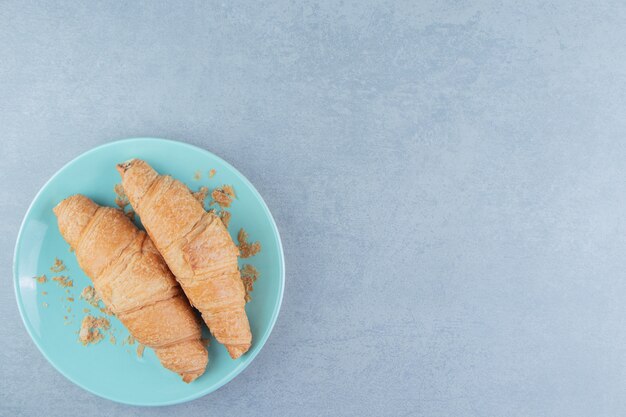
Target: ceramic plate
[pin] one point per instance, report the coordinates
(114, 370)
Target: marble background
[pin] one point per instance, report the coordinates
(448, 178)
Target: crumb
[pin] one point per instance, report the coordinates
(249, 275)
(86, 310)
(140, 349)
(130, 340)
(69, 309)
(228, 189)
(91, 329)
(44, 304)
(225, 217)
(197, 175)
(44, 293)
(70, 299)
(106, 310)
(119, 190)
(247, 249)
(112, 339)
(131, 215)
(63, 281)
(223, 195)
(206, 342)
(121, 203)
(90, 295)
(120, 196)
(67, 291)
(41, 279)
(58, 266)
(64, 317)
(211, 173)
(201, 194)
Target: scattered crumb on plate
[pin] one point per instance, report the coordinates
(225, 216)
(41, 279)
(58, 266)
(197, 175)
(91, 329)
(112, 339)
(70, 299)
(140, 349)
(201, 194)
(249, 275)
(120, 196)
(223, 195)
(90, 295)
(211, 173)
(63, 281)
(44, 293)
(246, 250)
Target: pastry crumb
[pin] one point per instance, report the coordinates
(63, 281)
(120, 196)
(91, 329)
(69, 309)
(42, 279)
(106, 310)
(201, 194)
(112, 339)
(140, 350)
(249, 275)
(119, 190)
(247, 250)
(58, 266)
(70, 299)
(197, 175)
(212, 173)
(223, 195)
(86, 310)
(130, 340)
(225, 217)
(121, 203)
(44, 293)
(90, 295)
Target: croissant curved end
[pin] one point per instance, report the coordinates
(123, 167)
(235, 351)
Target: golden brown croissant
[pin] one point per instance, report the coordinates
(196, 247)
(134, 282)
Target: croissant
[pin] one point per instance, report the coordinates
(197, 248)
(134, 282)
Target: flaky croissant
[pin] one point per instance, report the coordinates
(134, 282)
(196, 247)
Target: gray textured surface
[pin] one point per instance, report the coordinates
(449, 182)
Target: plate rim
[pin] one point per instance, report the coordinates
(228, 377)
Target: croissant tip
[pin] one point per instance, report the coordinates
(235, 351)
(123, 167)
(187, 378)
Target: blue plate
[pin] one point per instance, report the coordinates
(115, 371)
